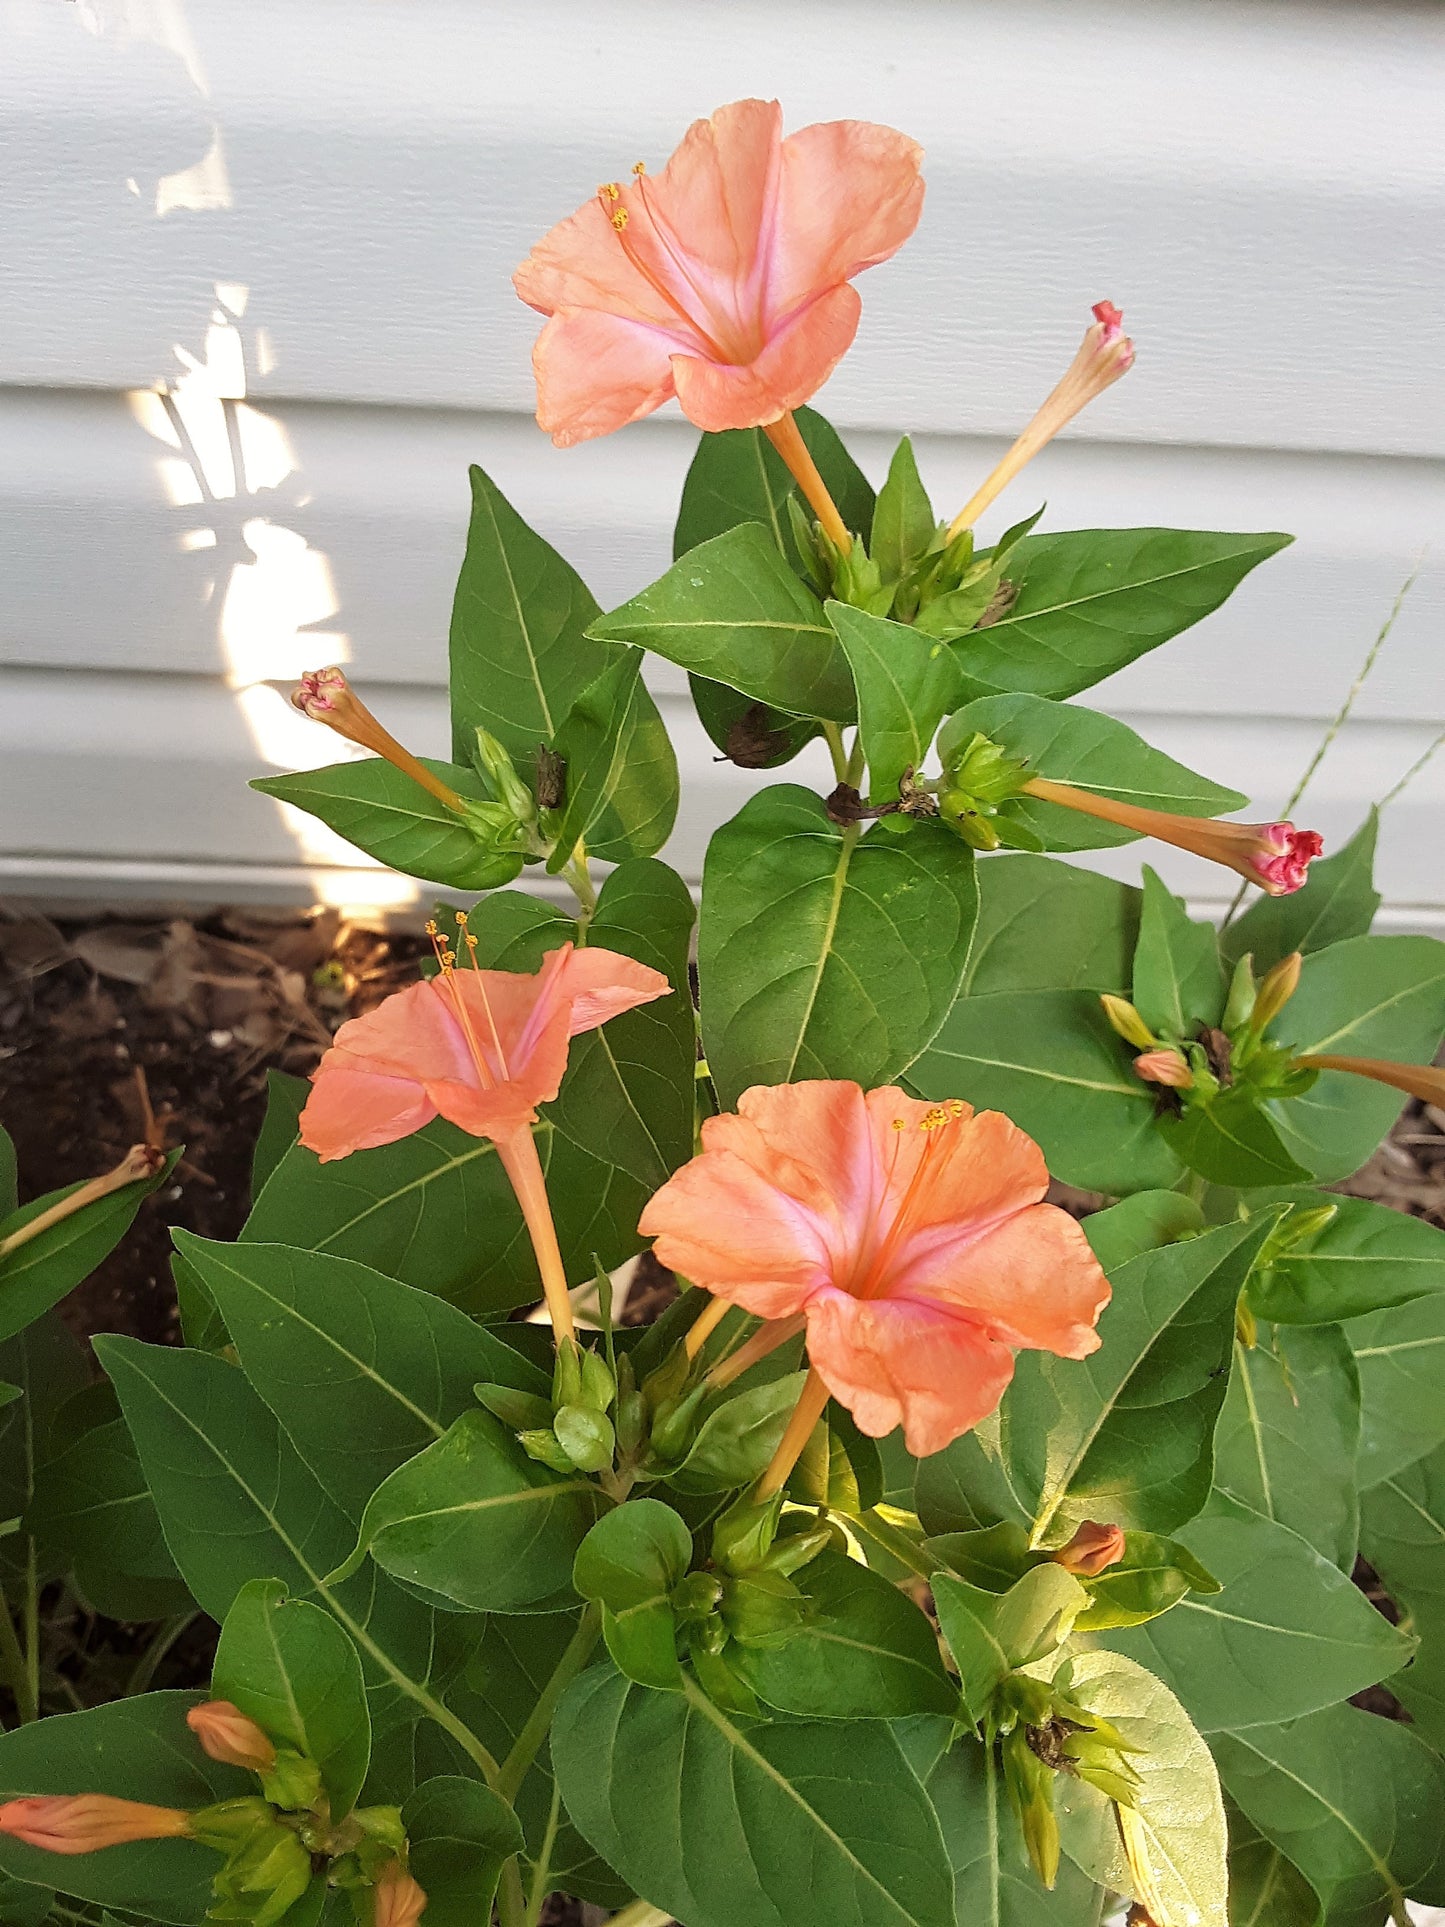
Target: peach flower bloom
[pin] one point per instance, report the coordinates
(397, 1899)
(724, 281)
(86, 1822)
(227, 1735)
(1092, 1550)
(911, 1237)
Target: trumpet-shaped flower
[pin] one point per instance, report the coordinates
(86, 1822)
(911, 1237)
(226, 1734)
(725, 281)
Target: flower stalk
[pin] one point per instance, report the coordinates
(787, 438)
(806, 1413)
(327, 697)
(140, 1163)
(1425, 1081)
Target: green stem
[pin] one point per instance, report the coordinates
(853, 775)
(641, 1913)
(543, 1869)
(32, 1627)
(14, 1665)
(905, 1550)
(528, 1742)
(833, 737)
(144, 1670)
(578, 875)
(511, 1901)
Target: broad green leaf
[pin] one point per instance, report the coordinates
(1286, 1441)
(1357, 1803)
(734, 611)
(289, 1667)
(1179, 1809)
(621, 777)
(1126, 1435)
(1048, 1060)
(361, 1371)
(1230, 1141)
(864, 1651)
(1265, 1889)
(1141, 1223)
(751, 734)
(994, 1634)
(629, 1563)
(1288, 1634)
(1068, 744)
(1365, 997)
(39, 1273)
(1153, 1575)
(1400, 1356)
(735, 1442)
(903, 520)
(1367, 1258)
(138, 1749)
(93, 1517)
(382, 811)
(285, 1100)
(1338, 901)
(1046, 925)
(725, 1822)
(520, 655)
(823, 955)
(1092, 600)
(435, 1210)
(237, 1502)
(738, 476)
(47, 1366)
(906, 686)
(630, 1088)
(1403, 1537)
(995, 1884)
(473, 1520)
(460, 1834)
(1178, 983)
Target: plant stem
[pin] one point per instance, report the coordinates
(579, 877)
(32, 1628)
(854, 771)
(543, 1867)
(528, 1742)
(511, 1901)
(833, 737)
(14, 1665)
(806, 1413)
(144, 1670)
(518, 1153)
(787, 438)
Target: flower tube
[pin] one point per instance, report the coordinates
(86, 1822)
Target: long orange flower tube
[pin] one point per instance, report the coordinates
(725, 281)
(911, 1238)
(86, 1822)
(481, 1048)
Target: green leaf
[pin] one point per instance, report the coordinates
(1126, 1435)
(1365, 997)
(1045, 925)
(1230, 1141)
(738, 476)
(736, 1442)
(1153, 1575)
(289, 1667)
(1068, 744)
(520, 654)
(1178, 983)
(48, 1367)
(629, 1562)
(1357, 1803)
(39, 1273)
(1338, 901)
(1288, 1634)
(906, 685)
(621, 795)
(903, 520)
(1092, 600)
(1141, 1223)
(137, 1749)
(285, 1100)
(1048, 1060)
(1367, 1258)
(1287, 1437)
(1403, 1537)
(864, 1651)
(1399, 1355)
(770, 1833)
(1265, 1889)
(994, 1634)
(994, 1881)
(734, 611)
(1178, 1803)
(630, 1087)
(435, 1210)
(94, 1518)
(474, 1520)
(237, 1502)
(361, 1371)
(822, 955)
(460, 1835)
(382, 811)
(752, 734)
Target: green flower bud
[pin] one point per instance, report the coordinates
(599, 1387)
(1030, 1786)
(586, 1437)
(674, 1426)
(294, 1782)
(1240, 1004)
(518, 1411)
(231, 1823)
(696, 1595)
(1125, 1022)
(546, 1448)
(501, 773)
(743, 1537)
(797, 1549)
(567, 1373)
(263, 1879)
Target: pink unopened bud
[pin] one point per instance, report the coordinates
(327, 697)
(1092, 1549)
(1164, 1067)
(400, 1902)
(227, 1735)
(1284, 865)
(86, 1822)
(321, 694)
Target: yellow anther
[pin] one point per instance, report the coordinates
(899, 1125)
(610, 191)
(619, 219)
(639, 167)
(431, 927)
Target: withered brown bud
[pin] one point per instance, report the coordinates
(551, 778)
(752, 742)
(1002, 600)
(1220, 1052)
(845, 805)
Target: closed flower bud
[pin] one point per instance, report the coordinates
(327, 697)
(399, 1901)
(1126, 1022)
(1275, 992)
(86, 1822)
(1425, 1081)
(227, 1735)
(585, 1436)
(1164, 1067)
(1092, 1548)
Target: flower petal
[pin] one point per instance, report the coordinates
(581, 263)
(597, 372)
(850, 195)
(796, 360)
(896, 1362)
(1033, 1280)
(412, 1034)
(355, 1110)
(981, 1168)
(599, 984)
(717, 192)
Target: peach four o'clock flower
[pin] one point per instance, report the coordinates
(910, 1238)
(228, 1735)
(481, 1048)
(86, 1822)
(726, 281)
